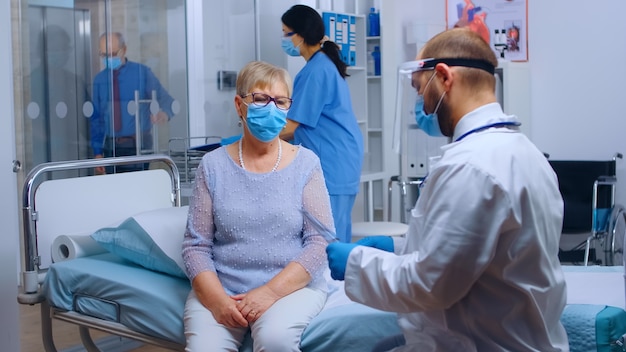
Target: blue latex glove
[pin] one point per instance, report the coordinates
(384, 243)
(338, 253)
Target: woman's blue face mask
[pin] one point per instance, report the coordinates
(265, 122)
(289, 48)
(428, 123)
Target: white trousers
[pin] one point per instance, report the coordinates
(278, 329)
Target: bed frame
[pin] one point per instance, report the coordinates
(67, 206)
(140, 191)
(45, 218)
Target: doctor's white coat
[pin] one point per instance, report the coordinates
(479, 269)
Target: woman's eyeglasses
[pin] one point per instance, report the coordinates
(262, 99)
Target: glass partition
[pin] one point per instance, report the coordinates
(66, 99)
(100, 79)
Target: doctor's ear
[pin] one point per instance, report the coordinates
(446, 74)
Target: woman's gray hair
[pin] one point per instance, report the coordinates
(260, 74)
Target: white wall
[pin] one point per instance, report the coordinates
(221, 37)
(577, 57)
(228, 45)
(9, 317)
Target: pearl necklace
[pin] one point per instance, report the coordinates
(280, 155)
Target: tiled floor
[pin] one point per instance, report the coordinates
(66, 336)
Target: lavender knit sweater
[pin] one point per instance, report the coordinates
(247, 227)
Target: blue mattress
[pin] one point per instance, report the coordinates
(108, 287)
(592, 327)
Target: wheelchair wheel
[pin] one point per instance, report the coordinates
(613, 245)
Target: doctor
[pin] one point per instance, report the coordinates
(479, 269)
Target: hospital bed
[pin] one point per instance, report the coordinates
(123, 294)
(107, 291)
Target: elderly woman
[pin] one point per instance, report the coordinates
(255, 264)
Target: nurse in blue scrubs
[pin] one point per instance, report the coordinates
(321, 116)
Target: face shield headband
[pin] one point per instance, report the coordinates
(429, 64)
(406, 95)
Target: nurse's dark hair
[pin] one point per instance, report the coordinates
(308, 24)
(463, 43)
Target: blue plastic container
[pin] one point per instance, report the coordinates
(374, 23)
(376, 55)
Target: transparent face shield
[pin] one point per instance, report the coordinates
(406, 97)
(418, 149)
(406, 93)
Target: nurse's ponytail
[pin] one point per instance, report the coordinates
(331, 49)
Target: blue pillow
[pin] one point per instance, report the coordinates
(151, 239)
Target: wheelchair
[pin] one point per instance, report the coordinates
(588, 190)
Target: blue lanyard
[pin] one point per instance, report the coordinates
(497, 124)
(478, 129)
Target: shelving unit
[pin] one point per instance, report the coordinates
(372, 177)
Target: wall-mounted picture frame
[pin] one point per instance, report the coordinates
(502, 23)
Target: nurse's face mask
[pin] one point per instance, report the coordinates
(287, 45)
(410, 113)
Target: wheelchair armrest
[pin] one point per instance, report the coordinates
(606, 180)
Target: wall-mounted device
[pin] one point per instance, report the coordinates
(226, 80)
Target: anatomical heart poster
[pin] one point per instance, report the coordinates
(502, 23)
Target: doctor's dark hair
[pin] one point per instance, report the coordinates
(307, 23)
(463, 43)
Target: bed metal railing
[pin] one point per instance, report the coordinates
(30, 292)
(187, 153)
(30, 275)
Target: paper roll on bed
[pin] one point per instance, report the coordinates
(67, 247)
